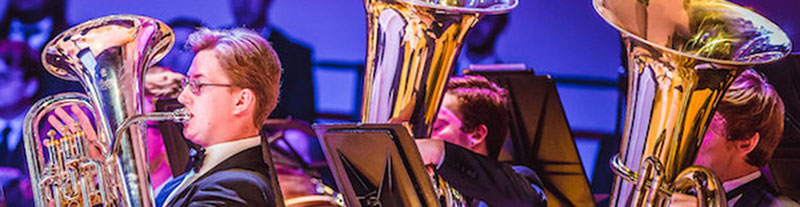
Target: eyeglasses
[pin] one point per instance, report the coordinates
(195, 85)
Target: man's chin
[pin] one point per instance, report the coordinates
(188, 135)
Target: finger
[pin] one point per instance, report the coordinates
(86, 125)
(679, 199)
(55, 123)
(176, 77)
(66, 119)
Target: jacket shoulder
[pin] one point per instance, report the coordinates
(233, 187)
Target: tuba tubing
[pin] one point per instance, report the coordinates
(108, 56)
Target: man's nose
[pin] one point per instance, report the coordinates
(183, 97)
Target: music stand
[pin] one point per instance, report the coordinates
(541, 137)
(376, 165)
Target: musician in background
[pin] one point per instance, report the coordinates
(740, 139)
(18, 84)
(467, 138)
(35, 22)
(232, 87)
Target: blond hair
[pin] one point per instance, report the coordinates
(248, 60)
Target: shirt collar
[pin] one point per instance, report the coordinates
(219, 152)
(732, 184)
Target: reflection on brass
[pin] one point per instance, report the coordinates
(682, 56)
(412, 45)
(109, 57)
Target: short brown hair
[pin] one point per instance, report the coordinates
(482, 102)
(751, 105)
(248, 60)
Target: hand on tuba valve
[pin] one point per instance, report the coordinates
(75, 160)
(67, 126)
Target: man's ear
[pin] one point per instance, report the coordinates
(748, 145)
(30, 87)
(245, 100)
(478, 136)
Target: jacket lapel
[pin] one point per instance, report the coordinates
(241, 160)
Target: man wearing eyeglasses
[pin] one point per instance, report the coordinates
(232, 87)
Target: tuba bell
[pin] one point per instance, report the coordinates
(109, 57)
(682, 56)
(412, 45)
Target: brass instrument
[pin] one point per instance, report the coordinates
(109, 57)
(412, 45)
(682, 56)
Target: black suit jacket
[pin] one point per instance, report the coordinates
(759, 193)
(479, 177)
(297, 83)
(241, 180)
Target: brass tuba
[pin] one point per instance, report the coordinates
(682, 56)
(412, 45)
(109, 57)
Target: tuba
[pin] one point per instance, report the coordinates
(412, 45)
(109, 57)
(682, 56)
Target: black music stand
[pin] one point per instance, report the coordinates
(540, 135)
(376, 165)
(298, 152)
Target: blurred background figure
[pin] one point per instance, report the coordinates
(297, 84)
(35, 22)
(480, 43)
(180, 57)
(18, 66)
